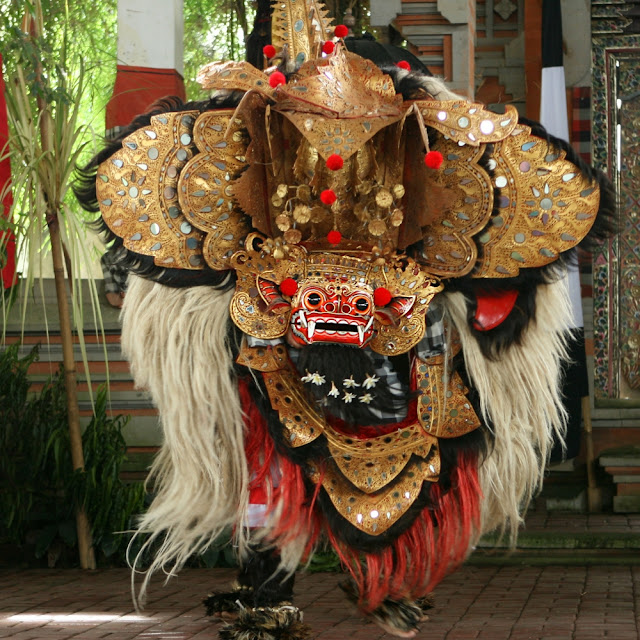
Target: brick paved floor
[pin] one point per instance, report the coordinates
(483, 603)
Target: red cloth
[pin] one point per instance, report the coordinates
(136, 89)
(7, 239)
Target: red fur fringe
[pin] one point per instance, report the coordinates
(434, 546)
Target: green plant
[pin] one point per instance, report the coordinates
(39, 490)
(45, 143)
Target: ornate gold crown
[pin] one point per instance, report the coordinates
(333, 156)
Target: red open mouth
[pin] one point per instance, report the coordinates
(308, 327)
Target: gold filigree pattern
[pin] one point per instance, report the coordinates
(345, 105)
(235, 76)
(372, 481)
(301, 420)
(545, 206)
(372, 463)
(375, 513)
(206, 185)
(344, 137)
(325, 86)
(269, 358)
(452, 205)
(250, 311)
(412, 281)
(299, 28)
(137, 189)
(443, 408)
(257, 317)
(468, 122)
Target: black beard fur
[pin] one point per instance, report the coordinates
(337, 362)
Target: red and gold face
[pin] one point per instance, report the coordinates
(331, 298)
(336, 313)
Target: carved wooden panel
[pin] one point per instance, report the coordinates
(616, 150)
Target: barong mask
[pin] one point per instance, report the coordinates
(342, 202)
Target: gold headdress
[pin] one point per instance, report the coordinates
(332, 161)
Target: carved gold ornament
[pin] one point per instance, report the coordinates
(443, 410)
(300, 28)
(330, 161)
(371, 481)
(545, 206)
(213, 175)
(375, 513)
(137, 189)
(207, 183)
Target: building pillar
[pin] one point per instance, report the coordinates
(150, 58)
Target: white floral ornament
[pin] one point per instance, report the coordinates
(334, 393)
(350, 383)
(314, 378)
(348, 397)
(366, 398)
(370, 381)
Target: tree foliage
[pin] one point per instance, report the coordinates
(73, 32)
(213, 30)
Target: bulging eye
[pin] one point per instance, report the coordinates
(312, 300)
(362, 304)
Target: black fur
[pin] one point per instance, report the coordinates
(216, 603)
(260, 573)
(336, 363)
(403, 615)
(494, 342)
(267, 623)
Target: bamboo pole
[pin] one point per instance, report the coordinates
(85, 542)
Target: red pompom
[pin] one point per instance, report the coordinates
(328, 47)
(340, 31)
(335, 162)
(334, 237)
(269, 50)
(328, 196)
(289, 287)
(382, 297)
(277, 78)
(403, 64)
(433, 159)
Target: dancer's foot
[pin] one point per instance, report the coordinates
(399, 618)
(281, 622)
(227, 605)
(425, 603)
(393, 631)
